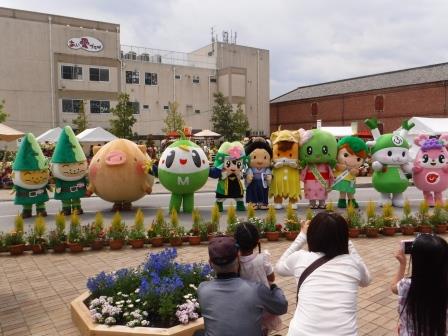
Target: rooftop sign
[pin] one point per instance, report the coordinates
(87, 43)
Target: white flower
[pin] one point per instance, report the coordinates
(119, 293)
(110, 320)
(145, 323)
(138, 300)
(130, 305)
(128, 301)
(137, 290)
(145, 313)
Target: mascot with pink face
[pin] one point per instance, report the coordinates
(430, 170)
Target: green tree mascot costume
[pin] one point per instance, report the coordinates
(183, 168)
(69, 168)
(30, 177)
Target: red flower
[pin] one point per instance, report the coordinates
(278, 227)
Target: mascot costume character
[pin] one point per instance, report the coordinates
(352, 152)
(430, 170)
(259, 174)
(183, 169)
(30, 175)
(69, 168)
(317, 157)
(120, 172)
(286, 177)
(230, 162)
(390, 162)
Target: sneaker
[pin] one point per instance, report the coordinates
(342, 203)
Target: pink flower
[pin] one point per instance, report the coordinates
(235, 152)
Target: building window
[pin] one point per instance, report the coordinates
(99, 75)
(146, 107)
(132, 77)
(71, 72)
(212, 79)
(166, 107)
(314, 109)
(71, 105)
(195, 79)
(379, 103)
(177, 76)
(99, 106)
(150, 78)
(135, 107)
(197, 111)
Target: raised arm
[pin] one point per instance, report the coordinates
(365, 274)
(401, 257)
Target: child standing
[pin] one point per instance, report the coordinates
(256, 267)
(423, 297)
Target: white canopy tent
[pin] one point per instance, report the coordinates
(338, 131)
(96, 134)
(52, 135)
(206, 134)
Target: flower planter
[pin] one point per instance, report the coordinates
(354, 232)
(273, 236)
(83, 321)
(157, 241)
(425, 229)
(185, 239)
(97, 245)
(60, 248)
(372, 232)
(210, 237)
(291, 235)
(16, 249)
(116, 244)
(137, 243)
(388, 231)
(177, 241)
(440, 228)
(75, 247)
(194, 240)
(408, 230)
(39, 248)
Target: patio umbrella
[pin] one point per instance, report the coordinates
(207, 134)
(9, 134)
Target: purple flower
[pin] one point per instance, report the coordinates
(101, 282)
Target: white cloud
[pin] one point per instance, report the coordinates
(309, 42)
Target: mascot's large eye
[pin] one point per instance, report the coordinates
(389, 153)
(324, 150)
(403, 154)
(228, 163)
(196, 158)
(346, 155)
(309, 150)
(238, 164)
(442, 158)
(425, 158)
(170, 159)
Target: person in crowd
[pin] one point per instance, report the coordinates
(423, 297)
(230, 305)
(256, 267)
(328, 276)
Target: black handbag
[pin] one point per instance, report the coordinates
(310, 269)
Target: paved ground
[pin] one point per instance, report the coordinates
(35, 291)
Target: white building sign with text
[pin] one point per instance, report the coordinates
(87, 43)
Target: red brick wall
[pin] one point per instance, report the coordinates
(426, 100)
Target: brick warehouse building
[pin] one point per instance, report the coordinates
(390, 96)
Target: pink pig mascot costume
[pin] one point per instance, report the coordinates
(430, 170)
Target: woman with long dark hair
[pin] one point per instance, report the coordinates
(423, 297)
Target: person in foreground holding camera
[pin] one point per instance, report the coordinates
(423, 297)
(230, 305)
(328, 276)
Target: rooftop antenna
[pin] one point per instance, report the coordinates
(210, 53)
(234, 39)
(225, 36)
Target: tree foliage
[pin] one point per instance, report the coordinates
(232, 125)
(3, 114)
(122, 117)
(174, 122)
(80, 122)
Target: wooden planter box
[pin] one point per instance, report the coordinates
(81, 318)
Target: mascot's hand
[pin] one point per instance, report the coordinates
(354, 171)
(89, 191)
(224, 175)
(58, 190)
(407, 167)
(249, 178)
(269, 178)
(292, 164)
(148, 189)
(340, 167)
(377, 166)
(418, 169)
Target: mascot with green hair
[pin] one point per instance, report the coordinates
(30, 176)
(69, 168)
(183, 168)
(390, 162)
(230, 162)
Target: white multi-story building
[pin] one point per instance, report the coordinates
(52, 65)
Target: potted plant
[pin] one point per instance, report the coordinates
(2, 242)
(373, 221)
(309, 214)
(408, 222)
(232, 220)
(250, 211)
(136, 236)
(292, 223)
(270, 228)
(330, 206)
(14, 240)
(36, 239)
(175, 231)
(423, 217)
(57, 239)
(213, 225)
(354, 221)
(259, 223)
(98, 231)
(388, 219)
(117, 232)
(156, 231)
(194, 237)
(438, 219)
(75, 237)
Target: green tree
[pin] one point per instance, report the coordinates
(122, 117)
(232, 125)
(3, 114)
(80, 122)
(174, 122)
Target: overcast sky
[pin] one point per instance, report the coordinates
(309, 41)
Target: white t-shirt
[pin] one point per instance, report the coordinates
(328, 297)
(256, 267)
